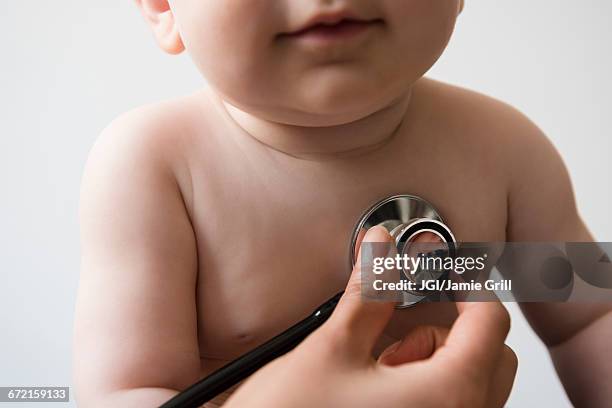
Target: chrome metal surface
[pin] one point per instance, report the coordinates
(401, 214)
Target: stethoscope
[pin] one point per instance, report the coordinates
(405, 217)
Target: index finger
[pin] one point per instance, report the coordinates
(362, 321)
(477, 338)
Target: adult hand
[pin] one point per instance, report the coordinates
(468, 365)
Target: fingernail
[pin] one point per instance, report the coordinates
(377, 233)
(375, 244)
(392, 349)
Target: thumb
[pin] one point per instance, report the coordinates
(420, 344)
(362, 320)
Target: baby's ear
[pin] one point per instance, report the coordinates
(161, 19)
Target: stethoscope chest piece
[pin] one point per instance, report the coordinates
(405, 217)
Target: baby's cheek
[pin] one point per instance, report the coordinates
(422, 27)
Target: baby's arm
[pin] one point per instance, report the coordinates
(542, 208)
(136, 327)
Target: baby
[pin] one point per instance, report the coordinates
(214, 221)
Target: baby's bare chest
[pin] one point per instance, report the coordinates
(272, 246)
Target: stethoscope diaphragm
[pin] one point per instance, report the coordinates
(405, 217)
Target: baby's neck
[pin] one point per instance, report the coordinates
(325, 142)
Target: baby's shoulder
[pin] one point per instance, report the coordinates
(475, 116)
(158, 130)
(150, 145)
(156, 136)
(494, 139)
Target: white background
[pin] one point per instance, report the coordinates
(69, 67)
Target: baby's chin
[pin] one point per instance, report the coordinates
(327, 97)
(314, 116)
(315, 110)
(323, 114)
(335, 105)
(342, 112)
